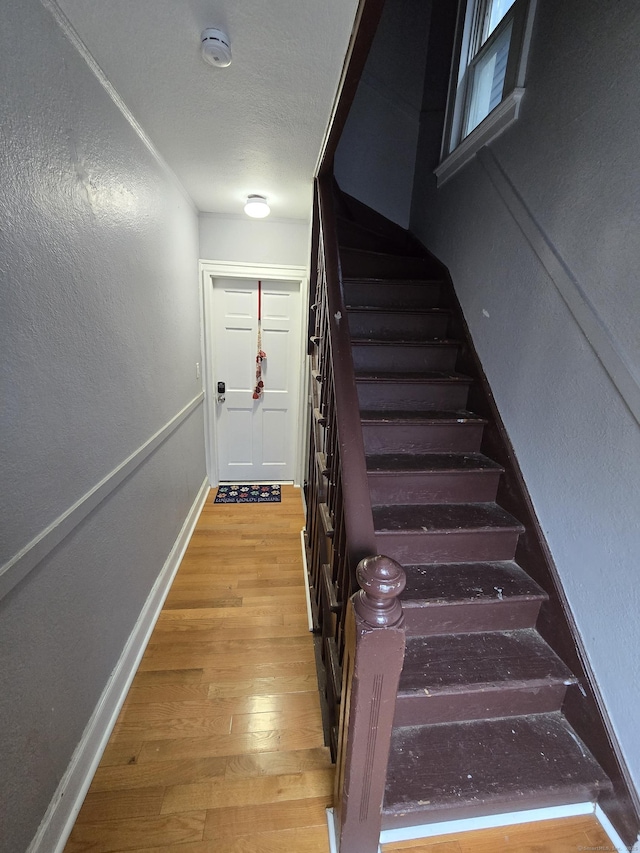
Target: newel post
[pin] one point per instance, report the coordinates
(373, 659)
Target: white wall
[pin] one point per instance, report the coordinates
(376, 156)
(99, 337)
(541, 237)
(255, 241)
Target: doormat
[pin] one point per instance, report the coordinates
(269, 494)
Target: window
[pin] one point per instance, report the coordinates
(487, 77)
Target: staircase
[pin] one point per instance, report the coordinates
(479, 726)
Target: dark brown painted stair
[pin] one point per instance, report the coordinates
(448, 598)
(478, 727)
(481, 767)
(396, 324)
(445, 532)
(407, 356)
(390, 293)
(450, 677)
(426, 478)
(414, 391)
(393, 431)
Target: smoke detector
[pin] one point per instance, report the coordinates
(216, 49)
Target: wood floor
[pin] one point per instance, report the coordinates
(219, 746)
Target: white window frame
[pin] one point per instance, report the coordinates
(456, 149)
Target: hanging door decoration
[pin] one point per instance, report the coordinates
(261, 354)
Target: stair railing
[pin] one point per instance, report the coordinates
(353, 594)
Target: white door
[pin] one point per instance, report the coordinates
(256, 439)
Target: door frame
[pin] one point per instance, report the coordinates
(264, 272)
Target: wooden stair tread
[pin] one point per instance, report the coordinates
(385, 342)
(354, 235)
(485, 767)
(415, 266)
(378, 309)
(391, 282)
(386, 416)
(440, 518)
(392, 292)
(404, 377)
(453, 662)
(426, 463)
(448, 583)
(369, 253)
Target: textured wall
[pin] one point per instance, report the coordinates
(253, 241)
(376, 155)
(99, 337)
(568, 175)
(279, 89)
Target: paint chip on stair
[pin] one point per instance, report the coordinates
(485, 312)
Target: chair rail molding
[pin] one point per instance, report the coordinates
(28, 557)
(586, 316)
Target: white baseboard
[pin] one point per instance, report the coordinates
(449, 827)
(333, 836)
(63, 809)
(331, 827)
(409, 833)
(306, 579)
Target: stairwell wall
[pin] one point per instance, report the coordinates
(540, 233)
(99, 339)
(252, 241)
(375, 158)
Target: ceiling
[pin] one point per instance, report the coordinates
(254, 127)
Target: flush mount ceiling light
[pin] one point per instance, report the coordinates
(216, 48)
(257, 207)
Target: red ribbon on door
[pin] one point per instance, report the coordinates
(261, 354)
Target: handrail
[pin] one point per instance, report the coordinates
(357, 502)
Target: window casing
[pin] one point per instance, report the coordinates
(487, 79)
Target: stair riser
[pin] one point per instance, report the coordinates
(470, 616)
(422, 438)
(433, 488)
(508, 701)
(403, 358)
(356, 236)
(450, 547)
(364, 265)
(390, 294)
(397, 327)
(412, 397)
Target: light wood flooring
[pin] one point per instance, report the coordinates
(219, 745)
